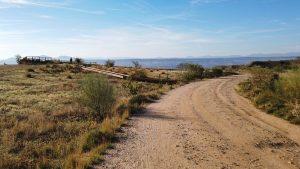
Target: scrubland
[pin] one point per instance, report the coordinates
(45, 121)
(275, 90)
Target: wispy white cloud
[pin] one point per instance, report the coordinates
(197, 2)
(46, 4)
(141, 6)
(45, 16)
(179, 17)
(277, 21)
(142, 40)
(20, 32)
(260, 31)
(19, 3)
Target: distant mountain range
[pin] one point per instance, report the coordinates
(12, 60)
(9, 61)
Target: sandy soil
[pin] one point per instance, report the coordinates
(206, 124)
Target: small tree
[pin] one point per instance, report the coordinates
(18, 58)
(78, 61)
(98, 95)
(110, 63)
(136, 64)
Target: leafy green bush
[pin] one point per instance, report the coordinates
(191, 71)
(207, 73)
(79, 61)
(136, 64)
(133, 87)
(217, 72)
(110, 63)
(99, 95)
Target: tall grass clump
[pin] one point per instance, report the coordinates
(98, 95)
(289, 87)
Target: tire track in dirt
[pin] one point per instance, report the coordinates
(206, 124)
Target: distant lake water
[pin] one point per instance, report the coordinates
(205, 62)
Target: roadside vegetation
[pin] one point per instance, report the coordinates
(191, 72)
(56, 116)
(275, 89)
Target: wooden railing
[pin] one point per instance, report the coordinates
(105, 72)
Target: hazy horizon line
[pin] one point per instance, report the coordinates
(288, 54)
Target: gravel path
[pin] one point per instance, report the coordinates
(206, 124)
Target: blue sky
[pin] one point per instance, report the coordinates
(148, 28)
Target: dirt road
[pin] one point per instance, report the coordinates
(206, 124)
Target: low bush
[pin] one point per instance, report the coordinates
(99, 95)
(93, 139)
(217, 72)
(139, 74)
(191, 71)
(133, 87)
(30, 70)
(79, 61)
(135, 104)
(110, 63)
(139, 99)
(29, 75)
(136, 64)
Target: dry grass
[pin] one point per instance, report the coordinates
(277, 94)
(42, 124)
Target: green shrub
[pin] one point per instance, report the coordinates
(93, 139)
(217, 72)
(79, 61)
(207, 73)
(136, 64)
(110, 63)
(135, 108)
(99, 95)
(133, 87)
(30, 70)
(191, 71)
(263, 79)
(135, 104)
(139, 99)
(139, 74)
